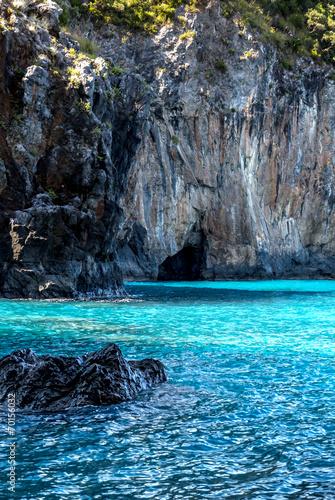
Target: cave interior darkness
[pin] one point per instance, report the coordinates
(185, 265)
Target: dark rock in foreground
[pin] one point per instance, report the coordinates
(55, 383)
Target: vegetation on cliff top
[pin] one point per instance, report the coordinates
(303, 27)
(146, 15)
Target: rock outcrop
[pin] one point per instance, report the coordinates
(56, 383)
(194, 157)
(66, 146)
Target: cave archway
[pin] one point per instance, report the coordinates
(186, 265)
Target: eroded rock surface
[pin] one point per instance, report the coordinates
(55, 383)
(235, 177)
(66, 146)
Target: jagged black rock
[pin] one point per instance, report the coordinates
(57, 383)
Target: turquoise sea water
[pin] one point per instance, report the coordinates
(248, 411)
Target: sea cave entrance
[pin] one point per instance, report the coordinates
(186, 265)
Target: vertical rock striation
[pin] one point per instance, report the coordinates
(235, 178)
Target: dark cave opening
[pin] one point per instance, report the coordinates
(186, 265)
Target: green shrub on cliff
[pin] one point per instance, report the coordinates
(144, 15)
(187, 35)
(52, 194)
(321, 22)
(65, 15)
(304, 27)
(88, 47)
(220, 65)
(115, 70)
(84, 107)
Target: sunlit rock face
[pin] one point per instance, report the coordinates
(181, 168)
(237, 169)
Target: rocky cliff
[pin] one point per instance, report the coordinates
(67, 145)
(190, 154)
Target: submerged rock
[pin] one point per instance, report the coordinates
(55, 383)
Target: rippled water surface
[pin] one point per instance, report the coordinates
(248, 411)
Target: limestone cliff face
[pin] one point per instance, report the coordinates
(235, 177)
(178, 168)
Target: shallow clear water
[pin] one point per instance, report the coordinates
(248, 411)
